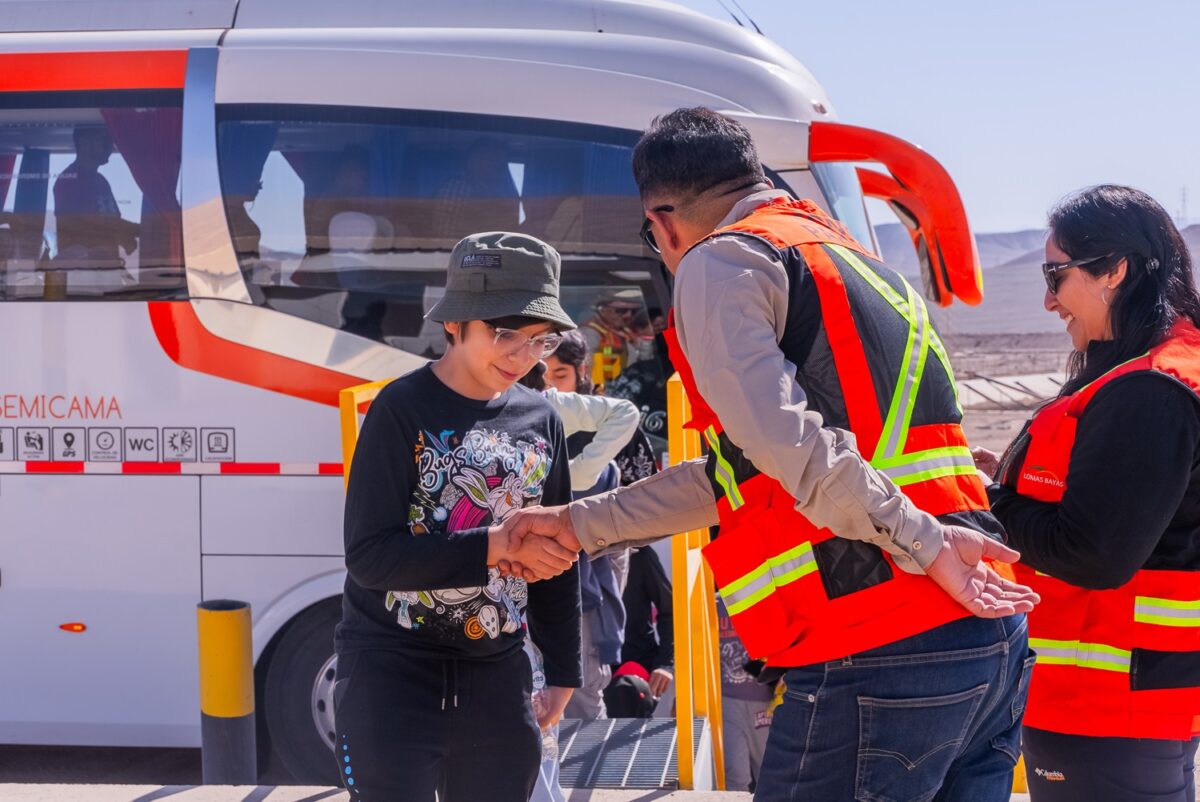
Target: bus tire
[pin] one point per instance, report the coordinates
(298, 655)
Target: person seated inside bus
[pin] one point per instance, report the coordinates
(90, 230)
(480, 197)
(348, 190)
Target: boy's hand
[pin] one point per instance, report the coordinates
(537, 522)
(550, 707)
(552, 522)
(539, 557)
(660, 680)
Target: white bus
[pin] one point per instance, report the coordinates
(215, 214)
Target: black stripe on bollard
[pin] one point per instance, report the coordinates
(229, 753)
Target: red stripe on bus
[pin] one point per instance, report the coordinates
(53, 467)
(151, 467)
(125, 69)
(330, 469)
(250, 467)
(184, 339)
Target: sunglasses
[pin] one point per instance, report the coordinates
(648, 235)
(1050, 270)
(511, 342)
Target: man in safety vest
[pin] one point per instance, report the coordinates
(853, 524)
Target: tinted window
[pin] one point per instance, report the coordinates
(347, 216)
(89, 196)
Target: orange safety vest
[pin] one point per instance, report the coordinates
(1123, 662)
(796, 593)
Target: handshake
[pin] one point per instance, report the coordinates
(534, 543)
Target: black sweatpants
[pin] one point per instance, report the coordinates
(410, 726)
(1079, 768)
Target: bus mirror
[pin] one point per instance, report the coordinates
(948, 237)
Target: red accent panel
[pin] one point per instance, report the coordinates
(57, 72)
(330, 469)
(190, 345)
(53, 467)
(151, 467)
(250, 467)
(917, 172)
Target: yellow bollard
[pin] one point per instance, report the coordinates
(1020, 780)
(228, 750)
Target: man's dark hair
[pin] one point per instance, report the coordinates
(692, 150)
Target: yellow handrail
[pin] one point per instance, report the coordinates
(349, 402)
(697, 656)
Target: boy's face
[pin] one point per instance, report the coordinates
(492, 362)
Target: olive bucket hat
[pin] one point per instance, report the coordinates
(498, 274)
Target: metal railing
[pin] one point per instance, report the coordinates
(351, 402)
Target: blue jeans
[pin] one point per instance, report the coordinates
(934, 716)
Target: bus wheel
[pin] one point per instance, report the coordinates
(298, 695)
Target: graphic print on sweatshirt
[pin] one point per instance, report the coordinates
(465, 482)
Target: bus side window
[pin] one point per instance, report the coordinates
(347, 216)
(89, 204)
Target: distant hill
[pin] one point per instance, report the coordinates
(994, 249)
(1013, 287)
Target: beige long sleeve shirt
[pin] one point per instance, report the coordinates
(731, 297)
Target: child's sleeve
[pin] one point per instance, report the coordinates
(381, 551)
(554, 604)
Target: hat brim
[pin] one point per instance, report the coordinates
(491, 305)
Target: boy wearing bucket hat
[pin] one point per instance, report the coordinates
(433, 686)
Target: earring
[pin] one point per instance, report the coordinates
(1104, 295)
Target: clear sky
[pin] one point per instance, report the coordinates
(1022, 101)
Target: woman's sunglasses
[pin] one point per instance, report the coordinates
(1050, 270)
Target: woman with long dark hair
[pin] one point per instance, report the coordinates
(1101, 495)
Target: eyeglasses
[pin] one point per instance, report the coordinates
(648, 235)
(1051, 270)
(511, 342)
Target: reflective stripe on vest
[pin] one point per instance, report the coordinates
(724, 471)
(902, 468)
(922, 466)
(1166, 612)
(776, 572)
(918, 466)
(1083, 655)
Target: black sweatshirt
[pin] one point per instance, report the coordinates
(432, 470)
(1132, 499)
